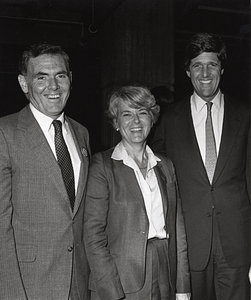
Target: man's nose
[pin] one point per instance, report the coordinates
(205, 71)
(53, 84)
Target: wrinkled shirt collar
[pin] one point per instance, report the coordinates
(120, 153)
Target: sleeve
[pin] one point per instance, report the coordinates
(183, 274)
(248, 167)
(102, 265)
(11, 285)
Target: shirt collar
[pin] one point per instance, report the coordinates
(120, 153)
(44, 121)
(198, 103)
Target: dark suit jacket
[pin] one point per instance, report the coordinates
(41, 238)
(116, 227)
(228, 193)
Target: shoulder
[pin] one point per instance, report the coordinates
(104, 157)
(77, 126)
(234, 109)
(101, 164)
(176, 107)
(165, 163)
(236, 105)
(11, 122)
(12, 119)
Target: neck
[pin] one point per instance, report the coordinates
(137, 153)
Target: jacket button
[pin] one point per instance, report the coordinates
(142, 232)
(70, 248)
(209, 214)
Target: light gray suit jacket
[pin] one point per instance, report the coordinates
(42, 254)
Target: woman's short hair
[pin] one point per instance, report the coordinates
(135, 97)
(40, 49)
(205, 42)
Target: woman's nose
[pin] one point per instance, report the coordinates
(136, 118)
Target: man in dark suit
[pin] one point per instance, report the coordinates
(42, 255)
(210, 151)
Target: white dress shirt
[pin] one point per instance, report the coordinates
(199, 115)
(45, 123)
(149, 188)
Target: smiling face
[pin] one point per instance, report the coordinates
(134, 124)
(47, 84)
(205, 73)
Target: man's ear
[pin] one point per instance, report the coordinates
(222, 71)
(23, 83)
(70, 76)
(188, 74)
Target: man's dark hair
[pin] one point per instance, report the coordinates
(40, 49)
(205, 42)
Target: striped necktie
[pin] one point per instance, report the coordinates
(211, 155)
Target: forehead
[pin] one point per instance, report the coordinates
(122, 106)
(46, 62)
(206, 57)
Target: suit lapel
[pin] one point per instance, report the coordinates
(231, 123)
(40, 149)
(162, 185)
(130, 181)
(184, 125)
(83, 155)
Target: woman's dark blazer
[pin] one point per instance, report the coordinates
(116, 228)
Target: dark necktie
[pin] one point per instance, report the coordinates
(64, 161)
(211, 155)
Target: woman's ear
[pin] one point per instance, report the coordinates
(115, 125)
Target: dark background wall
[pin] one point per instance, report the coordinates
(73, 24)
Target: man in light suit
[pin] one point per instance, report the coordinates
(42, 255)
(217, 212)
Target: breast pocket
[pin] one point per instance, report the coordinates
(26, 253)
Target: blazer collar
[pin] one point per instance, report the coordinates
(162, 180)
(130, 181)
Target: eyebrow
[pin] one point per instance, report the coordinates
(125, 110)
(44, 73)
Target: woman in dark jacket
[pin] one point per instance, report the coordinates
(134, 229)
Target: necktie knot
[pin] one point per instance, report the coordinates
(57, 125)
(209, 106)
